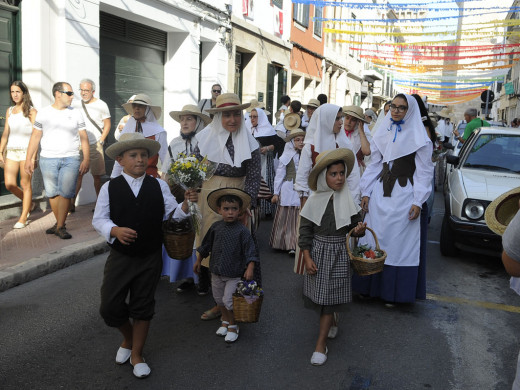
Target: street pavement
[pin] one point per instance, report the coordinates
(464, 336)
(29, 253)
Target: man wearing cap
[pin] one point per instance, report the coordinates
(357, 133)
(204, 104)
(310, 107)
(97, 120)
(61, 130)
(472, 123)
(143, 120)
(129, 214)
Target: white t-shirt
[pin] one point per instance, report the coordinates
(98, 111)
(60, 129)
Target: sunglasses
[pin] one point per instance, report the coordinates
(217, 91)
(68, 93)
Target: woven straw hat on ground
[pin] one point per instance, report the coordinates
(328, 157)
(502, 210)
(214, 196)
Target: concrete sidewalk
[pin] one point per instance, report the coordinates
(29, 253)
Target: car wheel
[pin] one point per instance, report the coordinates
(447, 243)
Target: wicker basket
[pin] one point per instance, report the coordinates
(244, 311)
(364, 266)
(178, 237)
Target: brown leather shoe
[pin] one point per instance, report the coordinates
(62, 233)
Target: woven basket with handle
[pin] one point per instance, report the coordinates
(178, 237)
(364, 266)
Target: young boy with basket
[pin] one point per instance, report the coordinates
(233, 253)
(328, 215)
(129, 214)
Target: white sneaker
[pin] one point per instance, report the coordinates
(333, 331)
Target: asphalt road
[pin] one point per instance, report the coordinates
(464, 336)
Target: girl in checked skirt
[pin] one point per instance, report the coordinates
(328, 215)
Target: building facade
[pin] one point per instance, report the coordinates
(171, 50)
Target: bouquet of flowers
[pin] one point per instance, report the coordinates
(250, 290)
(189, 172)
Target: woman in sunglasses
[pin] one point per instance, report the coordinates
(393, 188)
(13, 148)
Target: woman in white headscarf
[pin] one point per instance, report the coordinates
(192, 120)
(324, 133)
(144, 120)
(271, 147)
(394, 187)
(227, 142)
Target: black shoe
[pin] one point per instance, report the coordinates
(52, 230)
(62, 233)
(186, 285)
(202, 291)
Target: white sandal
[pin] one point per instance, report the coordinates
(333, 331)
(231, 337)
(223, 330)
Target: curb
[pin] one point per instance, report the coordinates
(51, 262)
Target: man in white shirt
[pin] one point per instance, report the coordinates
(97, 121)
(61, 130)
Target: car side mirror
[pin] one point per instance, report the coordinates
(447, 145)
(451, 159)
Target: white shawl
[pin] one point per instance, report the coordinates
(212, 142)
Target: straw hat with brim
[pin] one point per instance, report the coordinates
(255, 104)
(326, 158)
(214, 196)
(294, 133)
(315, 103)
(444, 113)
(144, 100)
(292, 121)
(355, 111)
(129, 141)
(502, 210)
(227, 102)
(190, 109)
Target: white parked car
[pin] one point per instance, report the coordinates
(487, 165)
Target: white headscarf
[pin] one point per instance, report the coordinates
(150, 126)
(289, 152)
(212, 142)
(401, 139)
(344, 205)
(319, 131)
(263, 128)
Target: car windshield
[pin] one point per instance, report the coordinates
(495, 152)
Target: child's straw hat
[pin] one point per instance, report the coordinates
(214, 196)
(328, 157)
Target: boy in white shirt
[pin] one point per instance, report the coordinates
(129, 214)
